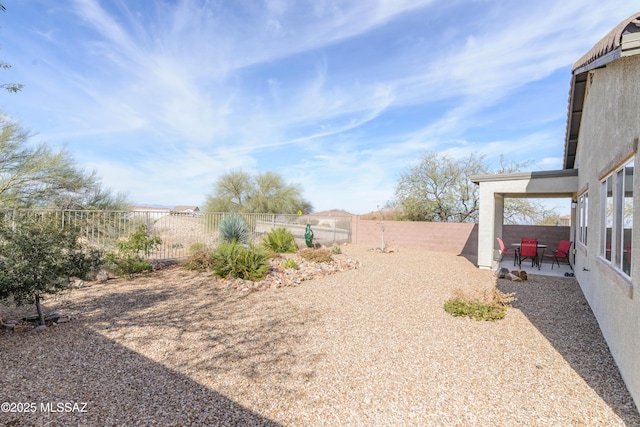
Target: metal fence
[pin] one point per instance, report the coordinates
(183, 233)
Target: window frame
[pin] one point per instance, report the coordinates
(613, 202)
(583, 218)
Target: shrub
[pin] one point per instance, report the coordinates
(280, 240)
(291, 263)
(38, 257)
(200, 261)
(335, 249)
(490, 305)
(197, 247)
(128, 259)
(233, 228)
(233, 260)
(127, 264)
(316, 255)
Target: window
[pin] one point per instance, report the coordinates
(607, 214)
(626, 218)
(583, 209)
(617, 214)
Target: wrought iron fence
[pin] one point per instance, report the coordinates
(182, 233)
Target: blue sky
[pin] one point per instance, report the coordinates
(162, 97)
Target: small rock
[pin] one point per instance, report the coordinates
(102, 276)
(39, 328)
(76, 282)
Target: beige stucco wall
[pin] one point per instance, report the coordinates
(608, 137)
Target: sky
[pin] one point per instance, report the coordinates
(162, 97)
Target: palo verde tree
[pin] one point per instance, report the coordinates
(267, 192)
(38, 257)
(439, 189)
(37, 176)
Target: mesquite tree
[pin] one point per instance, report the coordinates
(38, 256)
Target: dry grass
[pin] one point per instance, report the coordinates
(364, 347)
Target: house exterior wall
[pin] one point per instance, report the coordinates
(608, 137)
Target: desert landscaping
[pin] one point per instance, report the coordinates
(367, 346)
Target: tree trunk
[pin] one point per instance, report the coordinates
(40, 312)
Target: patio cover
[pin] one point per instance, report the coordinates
(495, 188)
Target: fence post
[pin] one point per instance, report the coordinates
(334, 232)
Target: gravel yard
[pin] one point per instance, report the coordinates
(365, 347)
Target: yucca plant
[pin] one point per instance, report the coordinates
(280, 240)
(234, 260)
(233, 228)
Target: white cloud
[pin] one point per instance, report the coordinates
(340, 96)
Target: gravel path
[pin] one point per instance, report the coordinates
(365, 347)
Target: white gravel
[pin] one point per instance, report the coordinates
(365, 347)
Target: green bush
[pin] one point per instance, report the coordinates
(200, 261)
(475, 310)
(316, 255)
(127, 264)
(335, 249)
(233, 260)
(128, 259)
(233, 228)
(37, 258)
(280, 240)
(291, 263)
(491, 305)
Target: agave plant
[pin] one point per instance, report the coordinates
(233, 228)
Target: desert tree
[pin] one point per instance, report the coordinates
(38, 176)
(267, 192)
(439, 189)
(38, 256)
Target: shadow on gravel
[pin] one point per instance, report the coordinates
(571, 316)
(193, 340)
(118, 385)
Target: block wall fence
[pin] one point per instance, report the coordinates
(457, 238)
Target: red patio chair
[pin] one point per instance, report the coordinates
(529, 249)
(505, 251)
(564, 247)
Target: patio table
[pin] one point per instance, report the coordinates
(540, 246)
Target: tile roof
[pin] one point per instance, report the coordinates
(608, 43)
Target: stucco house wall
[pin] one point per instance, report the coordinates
(608, 138)
(602, 137)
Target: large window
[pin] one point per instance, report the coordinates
(617, 214)
(583, 209)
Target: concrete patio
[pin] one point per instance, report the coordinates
(545, 267)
